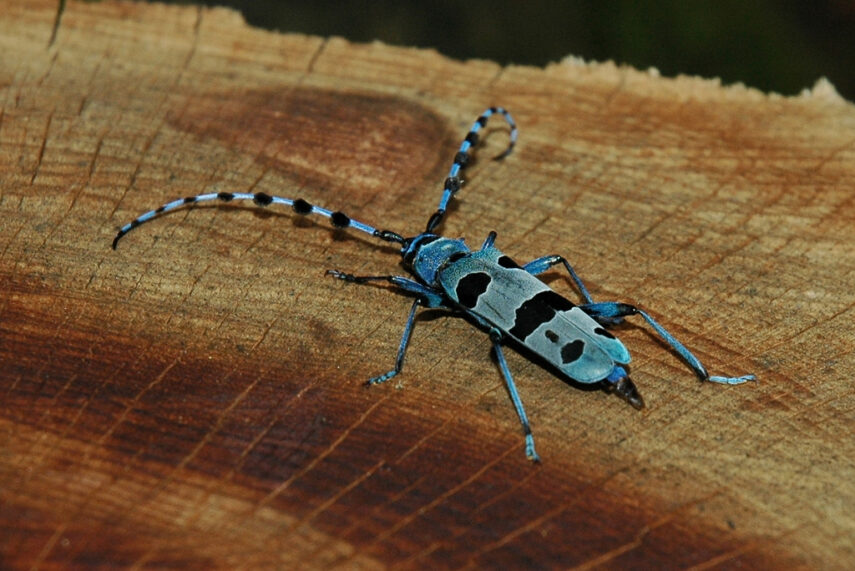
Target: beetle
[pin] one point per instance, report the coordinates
(503, 298)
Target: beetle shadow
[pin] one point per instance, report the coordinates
(549, 367)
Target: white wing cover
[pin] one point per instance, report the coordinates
(490, 285)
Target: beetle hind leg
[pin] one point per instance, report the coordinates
(610, 312)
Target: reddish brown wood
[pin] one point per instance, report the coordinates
(194, 399)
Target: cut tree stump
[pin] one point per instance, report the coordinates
(194, 399)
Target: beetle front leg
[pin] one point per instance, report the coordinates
(429, 297)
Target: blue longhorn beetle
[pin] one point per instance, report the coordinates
(502, 297)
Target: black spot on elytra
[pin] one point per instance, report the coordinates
(506, 262)
(471, 287)
(572, 351)
(536, 311)
(604, 333)
(551, 335)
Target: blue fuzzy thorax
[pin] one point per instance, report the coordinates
(426, 254)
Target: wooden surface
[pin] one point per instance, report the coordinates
(194, 399)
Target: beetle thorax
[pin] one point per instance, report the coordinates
(426, 254)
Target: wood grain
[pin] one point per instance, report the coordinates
(194, 399)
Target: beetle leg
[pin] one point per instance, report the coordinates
(530, 452)
(540, 265)
(608, 312)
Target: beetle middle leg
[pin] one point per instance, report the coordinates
(542, 264)
(429, 297)
(530, 452)
(425, 296)
(402, 349)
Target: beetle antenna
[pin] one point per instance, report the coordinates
(300, 206)
(453, 182)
